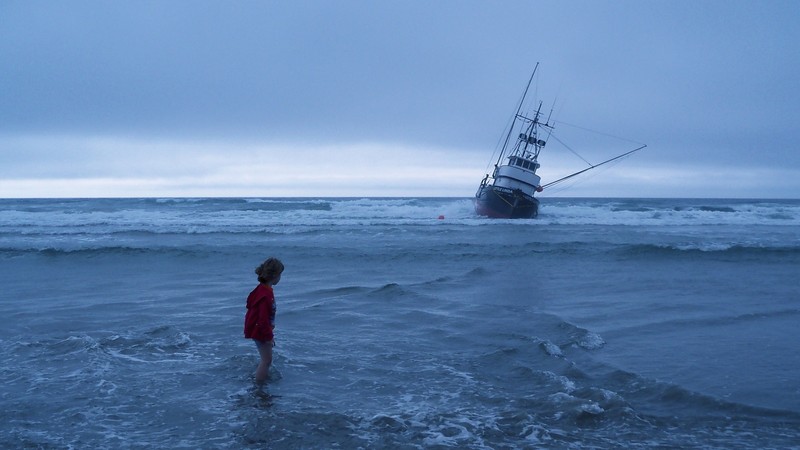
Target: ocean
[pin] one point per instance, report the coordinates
(402, 323)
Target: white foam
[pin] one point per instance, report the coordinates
(591, 341)
(120, 355)
(668, 212)
(566, 384)
(552, 349)
(591, 408)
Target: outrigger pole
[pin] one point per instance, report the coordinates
(592, 167)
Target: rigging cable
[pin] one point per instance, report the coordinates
(599, 132)
(570, 149)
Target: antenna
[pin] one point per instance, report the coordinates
(551, 111)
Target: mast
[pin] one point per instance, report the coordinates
(516, 116)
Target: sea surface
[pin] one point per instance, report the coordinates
(402, 323)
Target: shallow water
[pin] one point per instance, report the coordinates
(604, 323)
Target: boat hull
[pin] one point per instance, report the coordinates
(499, 203)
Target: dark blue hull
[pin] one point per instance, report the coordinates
(491, 201)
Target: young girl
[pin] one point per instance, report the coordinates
(260, 318)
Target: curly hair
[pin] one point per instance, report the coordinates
(269, 270)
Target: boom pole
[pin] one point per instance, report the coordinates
(592, 167)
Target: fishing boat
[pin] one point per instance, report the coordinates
(509, 192)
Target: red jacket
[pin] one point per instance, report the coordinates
(260, 318)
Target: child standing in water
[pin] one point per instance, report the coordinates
(260, 318)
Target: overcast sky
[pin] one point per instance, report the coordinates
(394, 98)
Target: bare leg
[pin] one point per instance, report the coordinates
(265, 351)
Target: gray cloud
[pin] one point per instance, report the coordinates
(699, 82)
